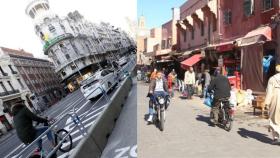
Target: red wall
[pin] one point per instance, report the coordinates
(241, 24)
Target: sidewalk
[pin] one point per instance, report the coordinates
(188, 134)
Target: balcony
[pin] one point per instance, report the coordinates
(8, 93)
(53, 41)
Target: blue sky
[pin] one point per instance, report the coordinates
(157, 12)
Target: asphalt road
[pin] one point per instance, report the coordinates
(123, 140)
(13, 146)
(187, 133)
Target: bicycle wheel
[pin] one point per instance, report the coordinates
(66, 146)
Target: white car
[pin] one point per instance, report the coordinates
(102, 81)
(122, 61)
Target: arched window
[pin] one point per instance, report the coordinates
(47, 20)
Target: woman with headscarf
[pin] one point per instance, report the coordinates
(272, 101)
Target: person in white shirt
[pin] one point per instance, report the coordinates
(189, 81)
(158, 87)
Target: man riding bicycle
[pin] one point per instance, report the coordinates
(158, 87)
(23, 120)
(221, 87)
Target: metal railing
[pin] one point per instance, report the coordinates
(75, 118)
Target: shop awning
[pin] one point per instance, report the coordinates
(192, 60)
(258, 35)
(222, 47)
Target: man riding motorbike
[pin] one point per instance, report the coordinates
(221, 87)
(158, 87)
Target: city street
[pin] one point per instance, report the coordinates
(187, 133)
(13, 144)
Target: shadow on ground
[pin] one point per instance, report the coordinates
(255, 135)
(205, 119)
(155, 122)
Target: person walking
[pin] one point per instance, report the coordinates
(205, 82)
(189, 81)
(272, 101)
(170, 84)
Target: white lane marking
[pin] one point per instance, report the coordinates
(79, 137)
(125, 152)
(69, 121)
(20, 146)
(84, 123)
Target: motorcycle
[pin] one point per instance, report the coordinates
(160, 105)
(225, 114)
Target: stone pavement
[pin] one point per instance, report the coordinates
(188, 134)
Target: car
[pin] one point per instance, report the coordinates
(102, 81)
(122, 61)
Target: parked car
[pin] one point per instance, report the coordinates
(105, 79)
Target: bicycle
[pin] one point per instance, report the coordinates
(58, 137)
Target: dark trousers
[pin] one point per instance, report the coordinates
(215, 109)
(189, 90)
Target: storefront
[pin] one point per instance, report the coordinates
(258, 59)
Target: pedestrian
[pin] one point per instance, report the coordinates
(272, 101)
(170, 84)
(205, 82)
(189, 81)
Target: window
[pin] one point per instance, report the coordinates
(67, 56)
(104, 73)
(248, 6)
(10, 66)
(11, 85)
(31, 14)
(3, 73)
(46, 20)
(37, 28)
(267, 4)
(202, 28)
(3, 86)
(73, 67)
(227, 17)
(51, 28)
(185, 35)
(193, 33)
(214, 24)
(58, 62)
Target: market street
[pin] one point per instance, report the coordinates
(187, 133)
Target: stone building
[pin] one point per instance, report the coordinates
(12, 89)
(75, 45)
(37, 74)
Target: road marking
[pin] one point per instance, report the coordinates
(20, 146)
(79, 137)
(131, 151)
(69, 121)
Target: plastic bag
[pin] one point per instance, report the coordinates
(208, 101)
